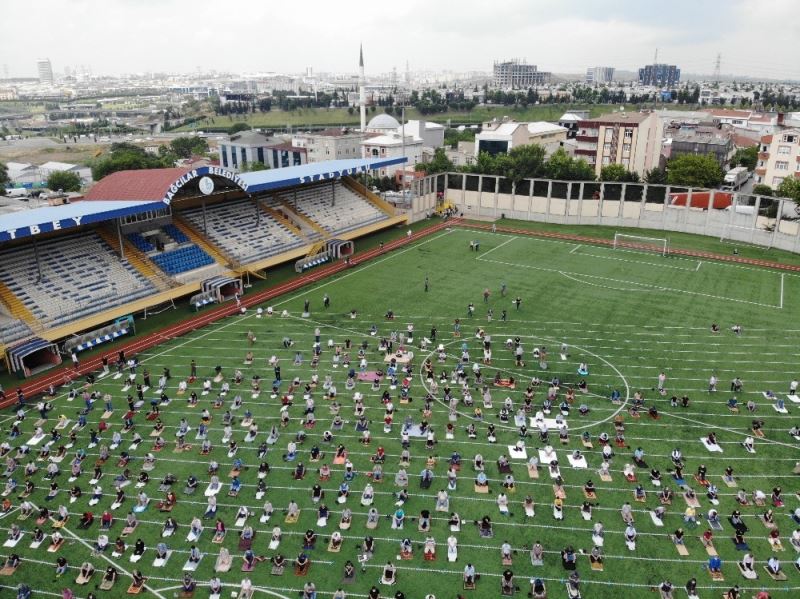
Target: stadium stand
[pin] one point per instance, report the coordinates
(12, 330)
(80, 275)
(183, 259)
(349, 212)
(233, 226)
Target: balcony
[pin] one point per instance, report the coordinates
(586, 151)
(589, 138)
(763, 155)
(761, 171)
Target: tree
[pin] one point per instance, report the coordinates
(125, 156)
(4, 179)
(249, 167)
(440, 163)
(237, 127)
(656, 176)
(618, 173)
(185, 147)
(64, 181)
(789, 188)
(747, 157)
(762, 190)
(564, 167)
(525, 162)
(694, 170)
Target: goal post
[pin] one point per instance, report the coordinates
(659, 245)
(738, 234)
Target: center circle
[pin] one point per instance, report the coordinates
(549, 341)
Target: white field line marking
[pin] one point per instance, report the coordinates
(635, 251)
(252, 314)
(699, 264)
(119, 566)
(646, 285)
(782, 277)
(497, 247)
(576, 248)
(638, 262)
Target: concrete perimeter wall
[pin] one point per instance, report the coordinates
(760, 220)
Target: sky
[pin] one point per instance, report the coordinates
(756, 38)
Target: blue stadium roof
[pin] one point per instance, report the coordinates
(108, 205)
(25, 223)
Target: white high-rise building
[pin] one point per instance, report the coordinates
(596, 75)
(45, 71)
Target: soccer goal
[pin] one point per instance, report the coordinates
(740, 235)
(637, 242)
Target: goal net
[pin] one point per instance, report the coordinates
(740, 235)
(637, 242)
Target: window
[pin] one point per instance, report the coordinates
(777, 181)
(224, 154)
(606, 160)
(260, 155)
(626, 148)
(625, 162)
(607, 146)
(782, 165)
(628, 134)
(244, 156)
(784, 149)
(609, 133)
(789, 138)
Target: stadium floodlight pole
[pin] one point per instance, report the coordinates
(119, 238)
(403, 143)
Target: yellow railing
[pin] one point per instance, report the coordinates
(325, 234)
(17, 309)
(374, 199)
(276, 214)
(137, 259)
(197, 238)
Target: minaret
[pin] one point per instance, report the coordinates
(362, 93)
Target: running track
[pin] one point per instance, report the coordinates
(64, 374)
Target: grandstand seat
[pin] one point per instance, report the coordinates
(237, 228)
(345, 211)
(80, 275)
(183, 259)
(140, 243)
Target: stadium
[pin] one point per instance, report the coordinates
(276, 384)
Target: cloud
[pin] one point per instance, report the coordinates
(123, 36)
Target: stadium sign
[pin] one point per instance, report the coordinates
(45, 227)
(202, 172)
(333, 174)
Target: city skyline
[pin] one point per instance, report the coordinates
(138, 36)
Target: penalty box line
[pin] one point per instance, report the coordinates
(645, 286)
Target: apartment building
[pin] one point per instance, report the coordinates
(501, 136)
(778, 158)
(517, 74)
(331, 144)
(630, 139)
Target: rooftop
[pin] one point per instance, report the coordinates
(620, 118)
(147, 185)
(542, 127)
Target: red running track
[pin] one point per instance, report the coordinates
(63, 375)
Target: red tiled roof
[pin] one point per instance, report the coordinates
(742, 141)
(700, 199)
(144, 185)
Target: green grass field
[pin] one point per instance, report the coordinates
(340, 116)
(629, 315)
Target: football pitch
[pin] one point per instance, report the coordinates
(628, 315)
